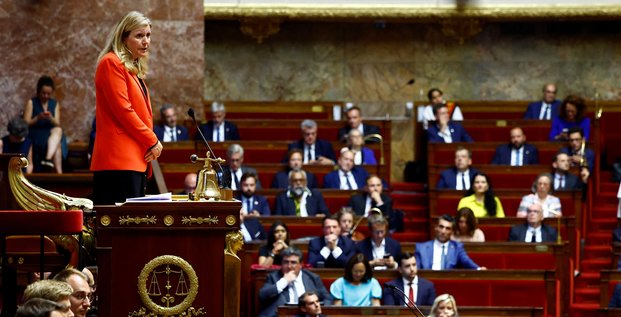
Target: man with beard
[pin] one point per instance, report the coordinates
(252, 203)
(516, 153)
(299, 200)
(295, 159)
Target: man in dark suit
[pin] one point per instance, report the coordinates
(250, 227)
(545, 109)
(451, 254)
(309, 305)
(168, 130)
(374, 197)
(332, 249)
(458, 177)
(444, 130)
(299, 200)
(235, 169)
(420, 290)
(252, 203)
(577, 157)
(379, 248)
(517, 152)
(534, 230)
(563, 179)
(295, 159)
(354, 121)
(285, 286)
(348, 176)
(217, 129)
(316, 151)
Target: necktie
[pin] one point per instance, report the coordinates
(295, 293)
(443, 261)
(463, 182)
(349, 186)
(237, 187)
(411, 294)
(518, 157)
(217, 134)
(249, 205)
(561, 182)
(173, 135)
(309, 155)
(544, 112)
(533, 239)
(548, 112)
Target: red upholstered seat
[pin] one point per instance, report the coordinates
(19, 222)
(29, 244)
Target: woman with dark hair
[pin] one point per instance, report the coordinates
(481, 200)
(436, 96)
(357, 287)
(277, 240)
(466, 227)
(571, 114)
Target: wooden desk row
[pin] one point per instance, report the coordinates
(464, 311)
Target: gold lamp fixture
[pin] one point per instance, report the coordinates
(376, 136)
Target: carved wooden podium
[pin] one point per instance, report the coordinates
(168, 259)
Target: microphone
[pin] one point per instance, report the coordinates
(194, 157)
(411, 305)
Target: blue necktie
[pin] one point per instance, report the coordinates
(217, 134)
(444, 259)
(349, 186)
(249, 205)
(463, 181)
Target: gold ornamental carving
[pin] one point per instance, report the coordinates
(105, 220)
(169, 220)
(234, 242)
(230, 220)
(259, 29)
(212, 220)
(175, 296)
(127, 220)
(461, 30)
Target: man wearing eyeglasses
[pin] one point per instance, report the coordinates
(534, 230)
(547, 108)
(82, 296)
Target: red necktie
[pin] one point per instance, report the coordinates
(411, 295)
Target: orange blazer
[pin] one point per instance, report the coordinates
(124, 119)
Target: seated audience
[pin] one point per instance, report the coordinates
(542, 189)
(217, 129)
(563, 178)
(235, 168)
(579, 157)
(460, 176)
(373, 197)
(443, 130)
(250, 227)
(517, 152)
(39, 307)
(417, 289)
(547, 108)
(277, 241)
(444, 306)
(299, 200)
(285, 285)
(42, 113)
(332, 249)
(316, 151)
(295, 157)
(435, 96)
(442, 253)
(346, 218)
(466, 227)
(168, 130)
(309, 305)
(357, 287)
(253, 203)
(534, 230)
(362, 154)
(17, 141)
(572, 113)
(354, 122)
(348, 176)
(380, 249)
(189, 183)
(615, 300)
(82, 296)
(481, 200)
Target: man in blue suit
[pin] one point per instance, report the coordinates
(291, 281)
(252, 203)
(547, 108)
(444, 130)
(299, 200)
(458, 177)
(348, 176)
(565, 180)
(533, 230)
(354, 121)
(168, 130)
(518, 152)
(217, 129)
(250, 227)
(295, 159)
(316, 151)
(379, 248)
(442, 253)
(332, 249)
(421, 291)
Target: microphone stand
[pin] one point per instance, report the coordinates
(191, 114)
(415, 310)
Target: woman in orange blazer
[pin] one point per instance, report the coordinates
(125, 143)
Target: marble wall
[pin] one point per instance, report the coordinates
(63, 38)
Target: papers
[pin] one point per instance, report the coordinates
(151, 198)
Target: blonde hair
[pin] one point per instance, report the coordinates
(130, 22)
(441, 299)
(48, 289)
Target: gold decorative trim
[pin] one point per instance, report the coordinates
(230, 220)
(20, 260)
(105, 220)
(169, 220)
(127, 220)
(259, 29)
(191, 312)
(234, 242)
(199, 220)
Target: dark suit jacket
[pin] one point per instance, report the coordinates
(322, 148)
(315, 245)
(615, 300)
(270, 299)
(392, 246)
(616, 235)
(366, 128)
(255, 228)
(315, 204)
(458, 133)
(332, 179)
(534, 108)
(518, 233)
(503, 155)
(448, 178)
(259, 203)
(425, 295)
(359, 203)
(230, 131)
(572, 182)
(281, 180)
(589, 155)
(456, 256)
(181, 131)
(227, 179)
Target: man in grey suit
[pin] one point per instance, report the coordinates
(287, 285)
(235, 169)
(534, 230)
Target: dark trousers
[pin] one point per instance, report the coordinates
(110, 187)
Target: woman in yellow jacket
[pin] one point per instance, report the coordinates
(481, 199)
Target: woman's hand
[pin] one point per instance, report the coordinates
(279, 246)
(154, 152)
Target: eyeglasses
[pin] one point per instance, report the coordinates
(83, 296)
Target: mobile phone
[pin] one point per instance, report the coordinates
(386, 255)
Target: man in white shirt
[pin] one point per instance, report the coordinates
(168, 130)
(460, 176)
(545, 109)
(534, 230)
(417, 289)
(332, 249)
(348, 176)
(218, 129)
(234, 171)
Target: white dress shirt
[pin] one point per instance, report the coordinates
(466, 179)
(245, 233)
(296, 288)
(237, 174)
(545, 112)
(406, 289)
(218, 129)
(308, 148)
(437, 254)
(325, 251)
(517, 156)
(170, 134)
(343, 180)
(529, 234)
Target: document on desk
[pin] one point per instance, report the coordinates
(151, 198)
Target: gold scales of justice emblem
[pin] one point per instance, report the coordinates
(168, 286)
